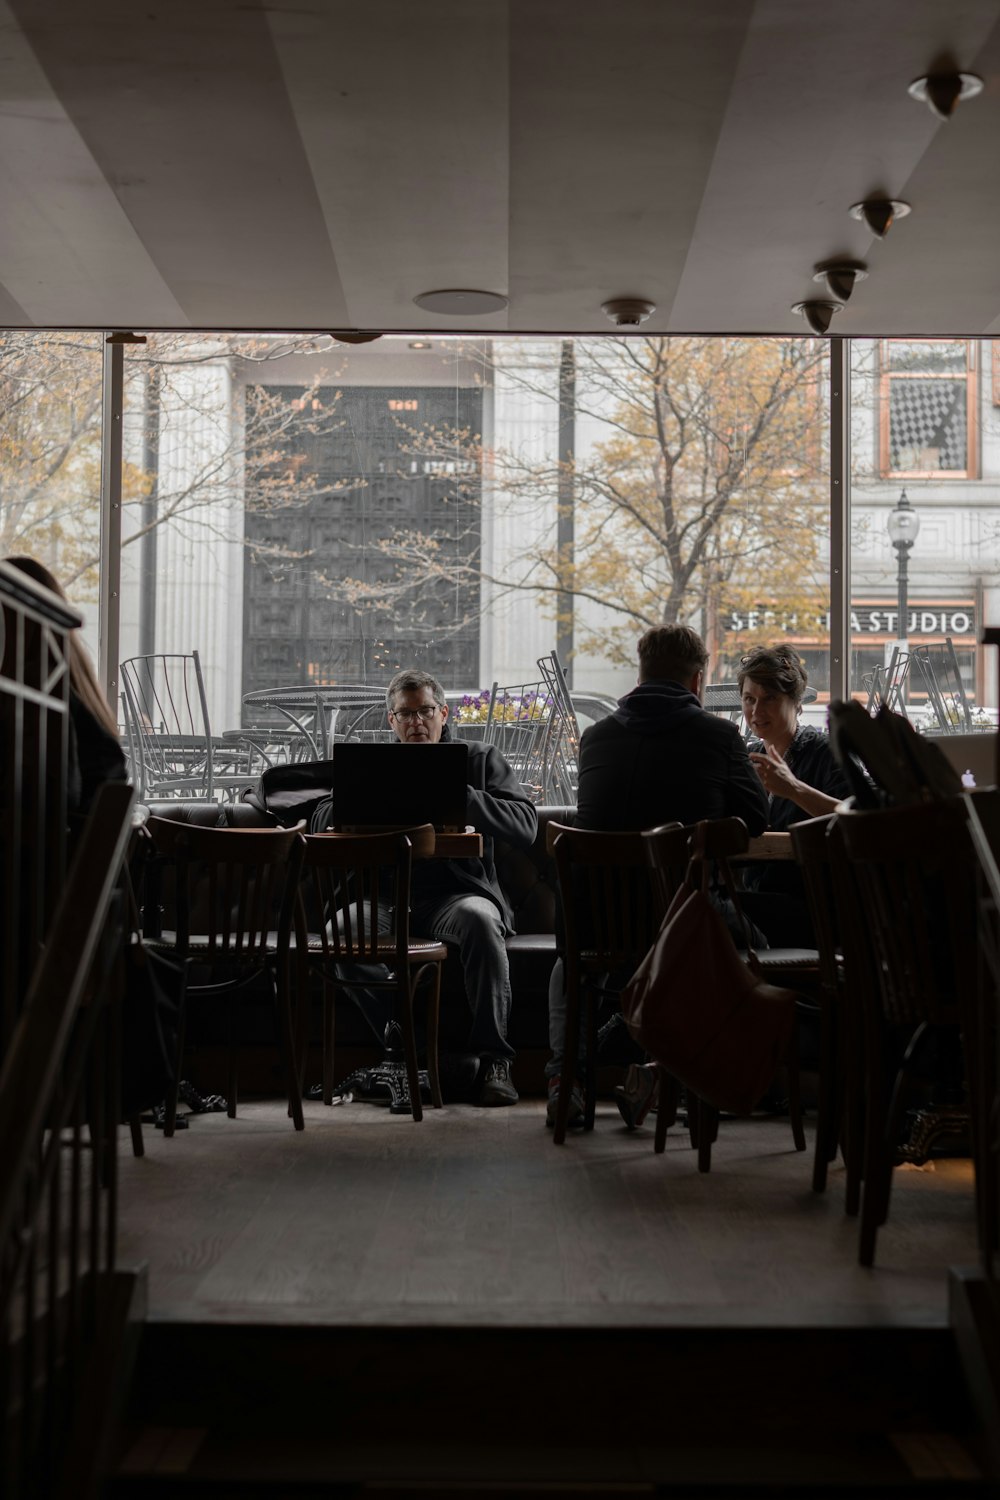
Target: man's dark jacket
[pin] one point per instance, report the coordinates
(662, 759)
(497, 807)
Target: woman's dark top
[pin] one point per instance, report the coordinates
(810, 759)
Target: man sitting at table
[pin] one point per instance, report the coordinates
(459, 901)
(661, 758)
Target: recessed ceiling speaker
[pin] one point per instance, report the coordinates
(817, 314)
(942, 91)
(628, 312)
(841, 277)
(461, 302)
(880, 213)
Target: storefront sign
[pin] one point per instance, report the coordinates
(866, 619)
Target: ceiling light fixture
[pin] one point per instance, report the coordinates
(628, 312)
(461, 303)
(421, 344)
(942, 91)
(880, 213)
(817, 314)
(355, 335)
(841, 276)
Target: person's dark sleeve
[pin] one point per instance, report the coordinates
(823, 773)
(501, 809)
(746, 796)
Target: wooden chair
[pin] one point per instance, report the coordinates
(235, 891)
(718, 841)
(811, 843)
(916, 882)
(610, 917)
(345, 878)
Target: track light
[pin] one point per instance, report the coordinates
(942, 91)
(840, 277)
(880, 213)
(817, 314)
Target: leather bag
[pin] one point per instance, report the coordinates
(702, 1010)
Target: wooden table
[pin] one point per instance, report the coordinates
(769, 846)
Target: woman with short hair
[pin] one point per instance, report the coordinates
(797, 769)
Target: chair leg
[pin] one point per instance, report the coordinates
(433, 1025)
(708, 1129)
(828, 1102)
(233, 1080)
(795, 1093)
(170, 1103)
(135, 1126)
(329, 1027)
(410, 1051)
(571, 1043)
(666, 1115)
(283, 999)
(590, 1065)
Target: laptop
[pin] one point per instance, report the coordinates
(972, 755)
(399, 786)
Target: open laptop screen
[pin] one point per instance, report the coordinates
(398, 786)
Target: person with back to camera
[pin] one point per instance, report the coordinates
(800, 776)
(95, 754)
(660, 758)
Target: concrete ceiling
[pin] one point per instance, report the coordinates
(316, 164)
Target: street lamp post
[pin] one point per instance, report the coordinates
(903, 526)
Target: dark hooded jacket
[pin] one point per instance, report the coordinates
(660, 758)
(497, 807)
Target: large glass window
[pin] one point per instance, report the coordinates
(50, 457)
(301, 512)
(925, 565)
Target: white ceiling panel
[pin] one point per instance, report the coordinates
(316, 164)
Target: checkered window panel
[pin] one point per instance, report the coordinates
(927, 425)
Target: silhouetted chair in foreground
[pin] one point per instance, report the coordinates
(345, 876)
(610, 917)
(234, 897)
(916, 880)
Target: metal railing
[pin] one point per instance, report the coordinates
(62, 1306)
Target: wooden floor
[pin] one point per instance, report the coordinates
(473, 1216)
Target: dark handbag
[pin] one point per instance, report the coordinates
(703, 1011)
(154, 994)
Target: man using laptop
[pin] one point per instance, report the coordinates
(459, 901)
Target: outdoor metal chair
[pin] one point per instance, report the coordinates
(169, 733)
(534, 726)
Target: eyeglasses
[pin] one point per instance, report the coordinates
(405, 714)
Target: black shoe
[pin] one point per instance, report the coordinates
(496, 1086)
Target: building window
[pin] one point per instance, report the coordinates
(927, 409)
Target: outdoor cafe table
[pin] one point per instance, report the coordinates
(319, 712)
